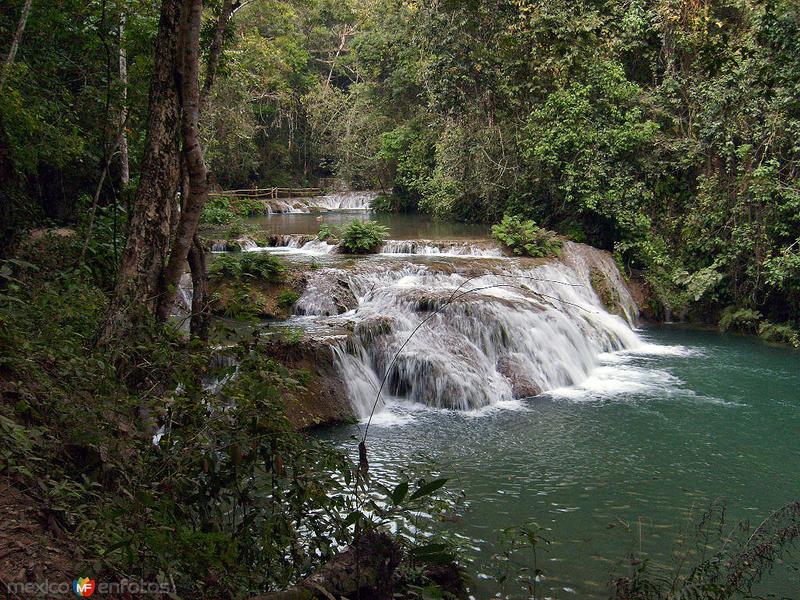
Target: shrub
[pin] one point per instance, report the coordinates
(221, 210)
(525, 238)
(393, 203)
(287, 298)
(363, 237)
(248, 264)
(779, 334)
(325, 233)
(739, 319)
(217, 211)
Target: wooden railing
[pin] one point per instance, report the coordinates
(273, 192)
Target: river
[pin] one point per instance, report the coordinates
(626, 462)
(637, 433)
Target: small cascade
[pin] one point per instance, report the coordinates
(442, 248)
(297, 243)
(327, 293)
(246, 244)
(344, 201)
(334, 201)
(525, 328)
(288, 206)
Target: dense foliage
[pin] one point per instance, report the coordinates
(525, 238)
(162, 465)
(664, 130)
(362, 237)
(259, 265)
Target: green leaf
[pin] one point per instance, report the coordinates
(352, 518)
(427, 488)
(399, 493)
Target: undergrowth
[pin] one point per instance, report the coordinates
(163, 462)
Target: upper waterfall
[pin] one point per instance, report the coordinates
(361, 200)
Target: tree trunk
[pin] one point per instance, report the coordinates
(147, 245)
(12, 51)
(122, 141)
(193, 155)
(200, 321)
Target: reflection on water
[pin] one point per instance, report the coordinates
(401, 226)
(627, 462)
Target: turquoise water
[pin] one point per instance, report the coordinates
(625, 463)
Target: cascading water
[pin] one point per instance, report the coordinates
(335, 201)
(486, 327)
(526, 327)
(441, 248)
(344, 201)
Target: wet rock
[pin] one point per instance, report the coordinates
(324, 399)
(326, 293)
(522, 385)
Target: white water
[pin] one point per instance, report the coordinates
(291, 243)
(524, 329)
(344, 201)
(334, 201)
(442, 248)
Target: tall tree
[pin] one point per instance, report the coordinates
(189, 82)
(122, 141)
(201, 307)
(12, 51)
(147, 247)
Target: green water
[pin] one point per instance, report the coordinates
(625, 463)
(401, 226)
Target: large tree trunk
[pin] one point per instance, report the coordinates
(12, 50)
(193, 155)
(200, 321)
(147, 245)
(201, 307)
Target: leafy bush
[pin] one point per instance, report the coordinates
(260, 265)
(325, 233)
(525, 238)
(393, 203)
(200, 497)
(779, 333)
(222, 210)
(739, 319)
(287, 298)
(217, 211)
(363, 237)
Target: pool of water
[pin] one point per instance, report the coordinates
(625, 463)
(401, 226)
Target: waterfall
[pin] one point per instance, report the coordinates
(441, 248)
(344, 201)
(527, 327)
(246, 244)
(335, 201)
(291, 243)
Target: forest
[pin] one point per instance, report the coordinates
(142, 443)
